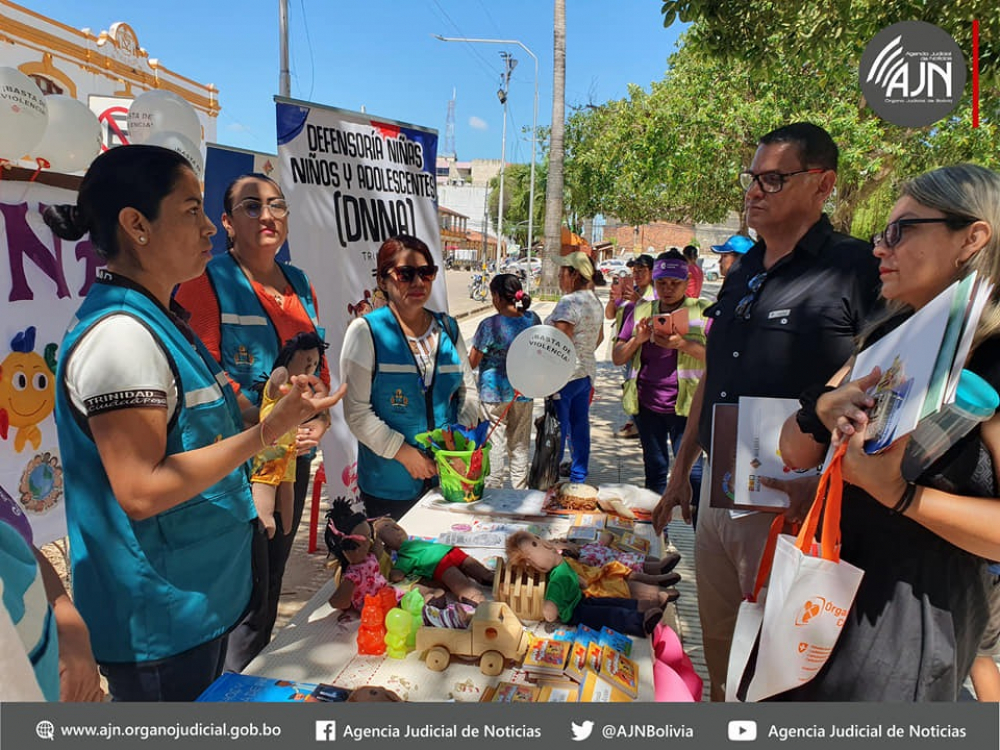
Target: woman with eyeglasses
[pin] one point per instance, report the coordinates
(153, 443)
(913, 630)
(407, 371)
(244, 307)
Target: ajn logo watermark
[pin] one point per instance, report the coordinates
(912, 74)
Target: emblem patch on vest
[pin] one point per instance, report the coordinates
(242, 356)
(398, 400)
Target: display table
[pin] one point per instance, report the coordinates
(319, 644)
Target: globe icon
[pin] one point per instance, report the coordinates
(45, 730)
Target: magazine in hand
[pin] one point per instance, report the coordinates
(921, 361)
(757, 454)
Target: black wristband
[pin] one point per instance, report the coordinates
(906, 499)
(807, 419)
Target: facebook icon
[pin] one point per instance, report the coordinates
(326, 731)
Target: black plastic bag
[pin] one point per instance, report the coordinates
(545, 463)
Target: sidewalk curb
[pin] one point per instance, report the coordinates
(470, 313)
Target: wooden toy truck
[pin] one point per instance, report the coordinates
(494, 636)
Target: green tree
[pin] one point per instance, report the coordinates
(674, 152)
(823, 29)
(517, 200)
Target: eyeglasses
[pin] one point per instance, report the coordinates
(406, 274)
(892, 235)
(772, 182)
(753, 288)
(253, 208)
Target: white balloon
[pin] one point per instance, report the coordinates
(183, 146)
(73, 137)
(23, 114)
(540, 361)
(160, 111)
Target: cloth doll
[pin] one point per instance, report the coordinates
(350, 537)
(272, 474)
(441, 563)
(602, 552)
(564, 599)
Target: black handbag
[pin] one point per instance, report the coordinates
(545, 462)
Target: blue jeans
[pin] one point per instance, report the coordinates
(573, 409)
(618, 614)
(655, 430)
(182, 677)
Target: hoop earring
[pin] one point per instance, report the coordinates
(958, 263)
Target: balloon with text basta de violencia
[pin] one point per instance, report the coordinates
(23, 114)
(540, 361)
(72, 139)
(182, 145)
(160, 111)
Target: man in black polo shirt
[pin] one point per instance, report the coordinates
(785, 319)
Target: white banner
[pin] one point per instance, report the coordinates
(43, 280)
(353, 181)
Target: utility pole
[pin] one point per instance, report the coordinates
(509, 63)
(284, 79)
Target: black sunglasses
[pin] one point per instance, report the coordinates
(892, 235)
(754, 286)
(406, 274)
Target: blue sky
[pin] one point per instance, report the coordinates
(380, 54)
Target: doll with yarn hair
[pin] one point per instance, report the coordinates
(350, 538)
(272, 474)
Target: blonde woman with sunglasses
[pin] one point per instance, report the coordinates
(407, 371)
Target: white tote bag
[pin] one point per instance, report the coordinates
(809, 596)
(749, 620)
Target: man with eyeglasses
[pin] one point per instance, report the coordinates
(785, 319)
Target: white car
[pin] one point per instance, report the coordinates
(612, 267)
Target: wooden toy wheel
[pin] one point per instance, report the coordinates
(438, 659)
(491, 663)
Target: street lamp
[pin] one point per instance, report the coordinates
(534, 125)
(509, 63)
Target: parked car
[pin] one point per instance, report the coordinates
(710, 267)
(612, 267)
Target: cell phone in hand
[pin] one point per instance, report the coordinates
(671, 323)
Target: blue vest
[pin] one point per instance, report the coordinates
(249, 339)
(24, 598)
(400, 399)
(154, 588)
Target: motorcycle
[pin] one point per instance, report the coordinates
(479, 287)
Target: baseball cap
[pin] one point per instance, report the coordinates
(736, 244)
(580, 262)
(670, 268)
(644, 260)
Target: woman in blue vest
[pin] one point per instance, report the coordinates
(155, 455)
(407, 371)
(244, 308)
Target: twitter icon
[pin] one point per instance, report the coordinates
(582, 730)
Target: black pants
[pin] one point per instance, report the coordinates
(395, 509)
(269, 558)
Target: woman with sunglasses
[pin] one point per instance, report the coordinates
(913, 630)
(407, 371)
(244, 307)
(154, 447)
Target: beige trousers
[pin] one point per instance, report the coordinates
(511, 442)
(727, 553)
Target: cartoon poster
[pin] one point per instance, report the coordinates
(43, 280)
(352, 181)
